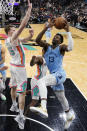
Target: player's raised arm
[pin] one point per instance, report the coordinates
(23, 23)
(40, 35)
(68, 47)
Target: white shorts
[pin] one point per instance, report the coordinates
(35, 89)
(18, 78)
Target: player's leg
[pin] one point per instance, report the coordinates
(34, 95)
(3, 76)
(3, 69)
(62, 99)
(2, 83)
(21, 78)
(34, 89)
(13, 86)
(43, 83)
(68, 114)
(2, 96)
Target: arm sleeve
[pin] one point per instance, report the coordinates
(70, 41)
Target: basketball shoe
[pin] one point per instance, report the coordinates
(69, 117)
(20, 120)
(14, 108)
(42, 111)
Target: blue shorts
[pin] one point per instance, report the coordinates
(3, 72)
(60, 78)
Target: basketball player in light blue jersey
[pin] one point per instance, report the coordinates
(3, 72)
(2, 61)
(54, 58)
(2, 85)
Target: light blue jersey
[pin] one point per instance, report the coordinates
(54, 60)
(1, 65)
(0, 52)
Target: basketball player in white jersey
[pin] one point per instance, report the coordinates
(18, 81)
(54, 58)
(41, 69)
(40, 72)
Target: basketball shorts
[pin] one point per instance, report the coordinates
(60, 79)
(3, 73)
(18, 78)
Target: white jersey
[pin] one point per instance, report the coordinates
(41, 70)
(16, 52)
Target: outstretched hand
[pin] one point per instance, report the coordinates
(51, 23)
(29, 4)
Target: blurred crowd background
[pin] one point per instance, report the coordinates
(75, 11)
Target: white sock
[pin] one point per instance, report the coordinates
(14, 102)
(44, 103)
(21, 112)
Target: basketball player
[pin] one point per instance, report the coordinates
(41, 70)
(54, 58)
(18, 82)
(2, 85)
(3, 72)
(2, 61)
(48, 32)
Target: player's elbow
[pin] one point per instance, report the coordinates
(31, 64)
(37, 40)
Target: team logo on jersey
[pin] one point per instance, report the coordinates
(60, 76)
(51, 59)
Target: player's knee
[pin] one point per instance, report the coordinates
(41, 81)
(23, 93)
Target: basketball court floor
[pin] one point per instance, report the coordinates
(75, 87)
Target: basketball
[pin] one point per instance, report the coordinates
(60, 23)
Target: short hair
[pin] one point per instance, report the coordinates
(8, 27)
(61, 37)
